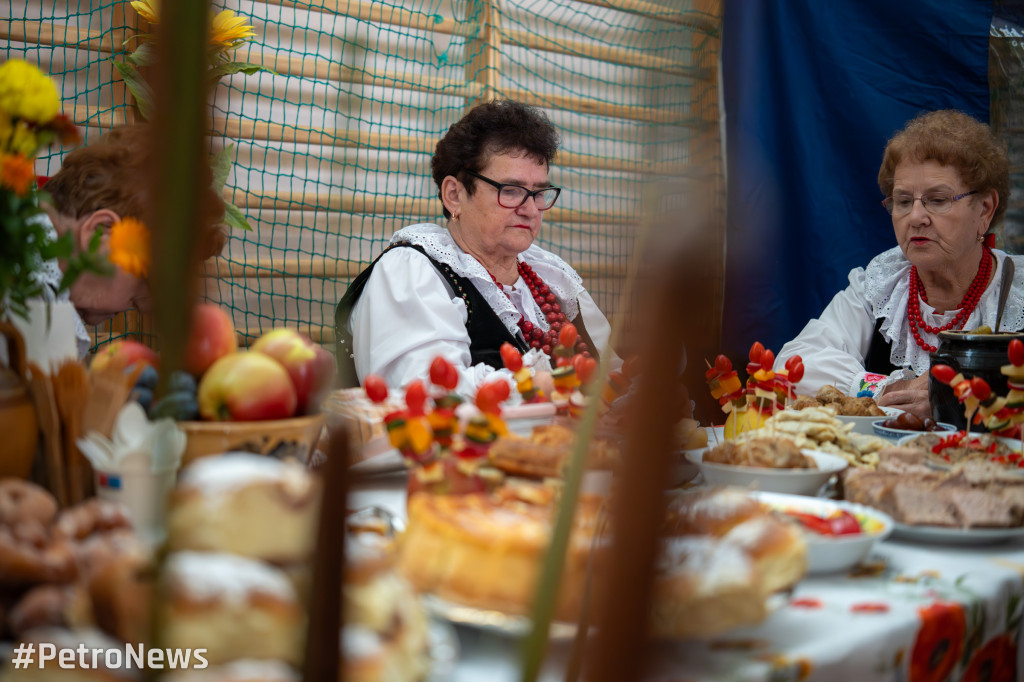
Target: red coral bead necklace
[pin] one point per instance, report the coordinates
(549, 306)
(967, 305)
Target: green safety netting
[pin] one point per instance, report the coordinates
(331, 151)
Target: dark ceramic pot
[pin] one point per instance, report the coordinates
(975, 355)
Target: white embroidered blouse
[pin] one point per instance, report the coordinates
(834, 346)
(407, 314)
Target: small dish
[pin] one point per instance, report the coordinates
(864, 424)
(830, 554)
(792, 481)
(895, 434)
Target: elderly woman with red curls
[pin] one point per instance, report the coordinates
(945, 178)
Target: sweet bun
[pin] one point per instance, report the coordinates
(386, 627)
(22, 502)
(232, 606)
(244, 504)
(51, 606)
(91, 517)
(777, 548)
(29, 553)
(703, 588)
(711, 511)
(121, 589)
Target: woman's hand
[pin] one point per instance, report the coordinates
(910, 395)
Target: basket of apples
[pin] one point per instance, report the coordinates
(263, 400)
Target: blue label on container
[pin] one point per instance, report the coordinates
(110, 481)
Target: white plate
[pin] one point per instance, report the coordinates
(955, 536)
(442, 649)
(882, 431)
(1012, 443)
(388, 462)
(492, 621)
(863, 424)
(827, 554)
(792, 481)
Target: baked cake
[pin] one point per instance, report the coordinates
(723, 554)
(245, 504)
(485, 550)
(231, 606)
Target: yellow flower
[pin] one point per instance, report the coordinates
(16, 173)
(129, 246)
(228, 31)
(23, 140)
(147, 9)
(27, 93)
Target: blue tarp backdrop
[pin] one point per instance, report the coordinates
(813, 89)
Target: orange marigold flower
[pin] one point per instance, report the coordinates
(16, 173)
(129, 246)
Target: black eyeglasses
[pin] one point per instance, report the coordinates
(936, 204)
(514, 196)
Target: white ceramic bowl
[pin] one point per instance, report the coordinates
(883, 431)
(864, 424)
(792, 481)
(829, 554)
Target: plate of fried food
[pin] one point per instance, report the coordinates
(861, 412)
(769, 463)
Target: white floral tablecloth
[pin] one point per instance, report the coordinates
(913, 613)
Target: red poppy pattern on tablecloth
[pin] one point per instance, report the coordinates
(996, 661)
(939, 642)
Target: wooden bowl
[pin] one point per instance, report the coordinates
(282, 438)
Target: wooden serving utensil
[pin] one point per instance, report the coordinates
(109, 388)
(41, 390)
(71, 385)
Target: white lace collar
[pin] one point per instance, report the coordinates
(887, 290)
(556, 273)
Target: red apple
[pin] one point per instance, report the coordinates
(211, 337)
(310, 367)
(127, 353)
(246, 386)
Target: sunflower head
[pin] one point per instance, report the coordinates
(148, 10)
(228, 31)
(129, 246)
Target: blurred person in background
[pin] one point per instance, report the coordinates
(98, 186)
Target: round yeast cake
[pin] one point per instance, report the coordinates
(486, 550)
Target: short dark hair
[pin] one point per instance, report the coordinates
(488, 129)
(951, 138)
(106, 174)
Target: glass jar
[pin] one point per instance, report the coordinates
(974, 355)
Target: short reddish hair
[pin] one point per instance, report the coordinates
(951, 138)
(105, 174)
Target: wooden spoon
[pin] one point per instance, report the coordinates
(72, 387)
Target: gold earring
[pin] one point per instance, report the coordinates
(981, 237)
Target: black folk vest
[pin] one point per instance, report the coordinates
(486, 331)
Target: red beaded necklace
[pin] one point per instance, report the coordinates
(967, 305)
(548, 302)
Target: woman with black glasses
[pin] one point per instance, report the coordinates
(465, 289)
(946, 182)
